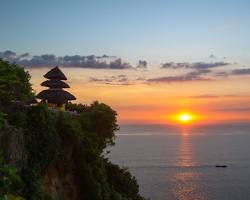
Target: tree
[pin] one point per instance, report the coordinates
(14, 84)
(99, 120)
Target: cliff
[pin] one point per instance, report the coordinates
(56, 155)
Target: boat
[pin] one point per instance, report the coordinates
(221, 166)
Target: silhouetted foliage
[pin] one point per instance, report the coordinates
(78, 108)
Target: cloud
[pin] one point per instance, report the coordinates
(112, 80)
(25, 55)
(50, 60)
(221, 74)
(245, 71)
(235, 72)
(198, 72)
(8, 54)
(196, 65)
(196, 75)
(192, 76)
(142, 64)
(119, 64)
(212, 56)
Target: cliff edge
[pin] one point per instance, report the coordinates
(56, 155)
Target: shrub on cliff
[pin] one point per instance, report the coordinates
(122, 181)
(99, 121)
(41, 137)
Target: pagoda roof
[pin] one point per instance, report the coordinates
(53, 83)
(55, 73)
(56, 96)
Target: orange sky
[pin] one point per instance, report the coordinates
(215, 101)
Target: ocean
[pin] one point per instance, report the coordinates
(178, 162)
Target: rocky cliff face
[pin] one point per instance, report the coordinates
(59, 180)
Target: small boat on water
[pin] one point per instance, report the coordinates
(221, 166)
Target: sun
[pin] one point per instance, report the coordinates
(185, 117)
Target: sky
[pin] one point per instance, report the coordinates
(148, 59)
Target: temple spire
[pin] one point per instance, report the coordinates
(55, 96)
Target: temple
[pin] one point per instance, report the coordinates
(55, 96)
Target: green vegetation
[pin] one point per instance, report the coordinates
(14, 84)
(11, 183)
(63, 146)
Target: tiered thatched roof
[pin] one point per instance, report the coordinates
(55, 94)
(55, 84)
(55, 74)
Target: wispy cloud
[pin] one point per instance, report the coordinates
(192, 76)
(112, 80)
(243, 71)
(196, 65)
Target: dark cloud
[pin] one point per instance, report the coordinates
(142, 64)
(202, 65)
(172, 65)
(24, 55)
(242, 71)
(236, 72)
(192, 76)
(198, 72)
(111, 80)
(196, 75)
(8, 54)
(197, 65)
(118, 64)
(50, 60)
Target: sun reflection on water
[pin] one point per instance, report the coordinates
(187, 178)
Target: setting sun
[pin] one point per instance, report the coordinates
(185, 117)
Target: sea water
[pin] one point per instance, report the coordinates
(178, 162)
